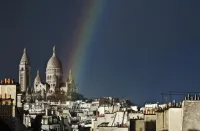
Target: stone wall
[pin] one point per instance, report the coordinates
(191, 115)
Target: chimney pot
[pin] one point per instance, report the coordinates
(191, 98)
(188, 96)
(185, 98)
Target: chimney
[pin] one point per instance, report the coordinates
(185, 97)
(173, 103)
(188, 96)
(170, 104)
(191, 98)
(195, 97)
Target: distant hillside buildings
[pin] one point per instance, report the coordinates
(51, 106)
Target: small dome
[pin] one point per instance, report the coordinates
(54, 62)
(37, 78)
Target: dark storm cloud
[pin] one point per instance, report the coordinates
(137, 47)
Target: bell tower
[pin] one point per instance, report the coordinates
(24, 72)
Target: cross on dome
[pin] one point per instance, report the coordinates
(54, 50)
(24, 50)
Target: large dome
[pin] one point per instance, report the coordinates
(54, 62)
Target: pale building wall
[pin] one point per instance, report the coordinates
(125, 121)
(98, 122)
(135, 108)
(191, 115)
(150, 122)
(151, 105)
(113, 119)
(113, 129)
(110, 109)
(137, 125)
(109, 117)
(8, 90)
(121, 117)
(175, 119)
(85, 105)
(94, 106)
(150, 117)
(160, 121)
(166, 119)
(170, 119)
(94, 126)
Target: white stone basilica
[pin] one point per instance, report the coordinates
(54, 85)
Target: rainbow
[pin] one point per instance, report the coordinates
(83, 37)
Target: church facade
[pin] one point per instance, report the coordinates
(53, 88)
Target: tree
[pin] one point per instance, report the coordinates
(77, 96)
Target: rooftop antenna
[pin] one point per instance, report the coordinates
(166, 99)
